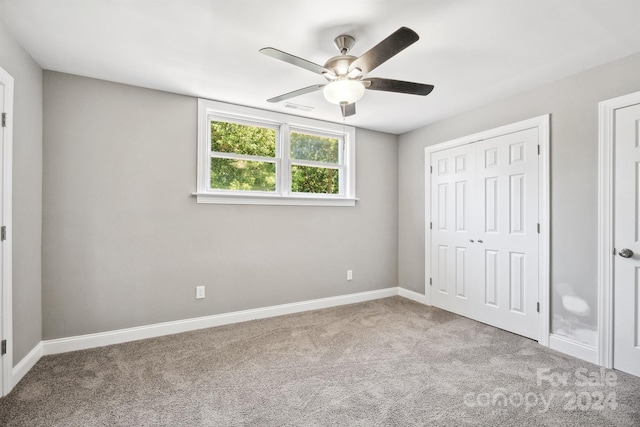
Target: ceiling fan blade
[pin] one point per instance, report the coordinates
(387, 48)
(295, 93)
(348, 109)
(399, 86)
(291, 59)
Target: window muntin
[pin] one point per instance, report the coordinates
(249, 156)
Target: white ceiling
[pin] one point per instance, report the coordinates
(473, 51)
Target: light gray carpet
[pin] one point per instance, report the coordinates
(388, 362)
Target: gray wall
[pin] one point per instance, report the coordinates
(124, 243)
(27, 194)
(573, 104)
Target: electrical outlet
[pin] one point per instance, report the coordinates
(199, 292)
(349, 274)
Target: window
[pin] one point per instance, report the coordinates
(250, 156)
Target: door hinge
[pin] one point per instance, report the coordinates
(538, 307)
(538, 228)
(538, 150)
(430, 226)
(3, 233)
(4, 120)
(430, 281)
(4, 347)
(430, 169)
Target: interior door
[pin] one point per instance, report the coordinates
(453, 224)
(2, 296)
(626, 339)
(484, 237)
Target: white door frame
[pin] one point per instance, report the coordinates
(606, 140)
(542, 123)
(6, 279)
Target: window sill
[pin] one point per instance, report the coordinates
(240, 199)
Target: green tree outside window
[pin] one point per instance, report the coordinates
(258, 173)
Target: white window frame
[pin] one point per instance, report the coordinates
(284, 124)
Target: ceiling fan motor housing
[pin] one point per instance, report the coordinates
(340, 64)
(344, 43)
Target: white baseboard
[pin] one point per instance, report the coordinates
(412, 295)
(25, 365)
(82, 342)
(573, 348)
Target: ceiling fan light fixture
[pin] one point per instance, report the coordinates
(343, 91)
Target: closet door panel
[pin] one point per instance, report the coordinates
(451, 220)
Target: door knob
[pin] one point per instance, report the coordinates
(626, 253)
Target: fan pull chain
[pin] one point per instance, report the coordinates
(344, 131)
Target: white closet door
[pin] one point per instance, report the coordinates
(452, 190)
(508, 206)
(626, 340)
(484, 231)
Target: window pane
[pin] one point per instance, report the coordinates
(308, 179)
(243, 139)
(313, 147)
(232, 174)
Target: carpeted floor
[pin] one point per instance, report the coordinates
(388, 362)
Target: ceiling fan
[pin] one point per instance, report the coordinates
(345, 73)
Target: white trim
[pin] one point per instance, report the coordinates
(573, 348)
(7, 276)
(535, 122)
(283, 123)
(243, 199)
(544, 192)
(606, 117)
(412, 295)
(82, 342)
(27, 362)
(544, 239)
(427, 226)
